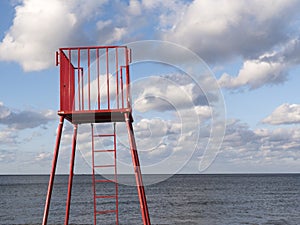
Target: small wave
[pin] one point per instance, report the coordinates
(277, 222)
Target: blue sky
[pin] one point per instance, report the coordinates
(251, 49)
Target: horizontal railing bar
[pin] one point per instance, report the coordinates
(92, 47)
(104, 166)
(109, 150)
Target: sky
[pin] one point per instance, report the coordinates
(215, 83)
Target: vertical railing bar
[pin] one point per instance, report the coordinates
(82, 89)
(89, 79)
(79, 76)
(117, 78)
(130, 55)
(98, 77)
(79, 69)
(69, 78)
(127, 79)
(122, 89)
(107, 79)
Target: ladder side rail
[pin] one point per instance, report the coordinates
(93, 175)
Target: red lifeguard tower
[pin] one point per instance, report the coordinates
(95, 88)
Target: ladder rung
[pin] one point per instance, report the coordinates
(105, 181)
(106, 211)
(104, 166)
(109, 150)
(105, 196)
(103, 135)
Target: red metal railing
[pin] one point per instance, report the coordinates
(94, 78)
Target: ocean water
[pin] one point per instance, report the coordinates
(182, 199)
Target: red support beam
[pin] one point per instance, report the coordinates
(71, 175)
(52, 174)
(137, 171)
(116, 175)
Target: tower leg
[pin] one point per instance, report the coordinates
(137, 171)
(71, 175)
(52, 174)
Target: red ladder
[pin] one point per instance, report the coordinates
(111, 167)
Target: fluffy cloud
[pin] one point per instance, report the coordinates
(264, 37)
(284, 114)
(169, 92)
(136, 20)
(43, 156)
(40, 28)
(263, 148)
(24, 119)
(218, 30)
(36, 32)
(254, 74)
(269, 69)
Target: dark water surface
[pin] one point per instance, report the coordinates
(182, 199)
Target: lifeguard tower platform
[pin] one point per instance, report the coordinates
(95, 88)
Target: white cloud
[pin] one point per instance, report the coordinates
(218, 31)
(86, 10)
(37, 30)
(260, 149)
(40, 28)
(284, 114)
(165, 93)
(254, 74)
(43, 156)
(203, 111)
(117, 35)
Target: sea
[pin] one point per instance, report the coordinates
(269, 199)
